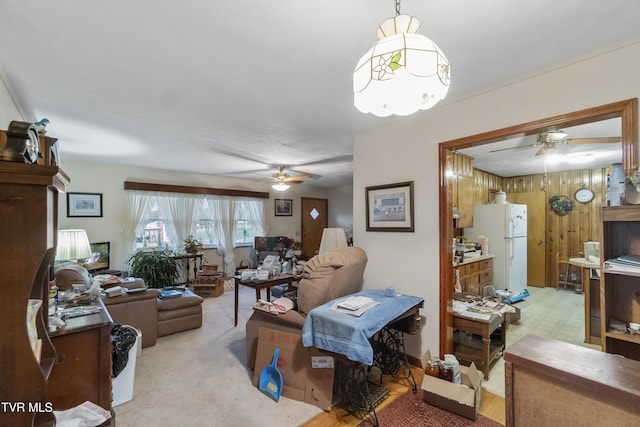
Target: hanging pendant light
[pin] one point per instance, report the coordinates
(403, 73)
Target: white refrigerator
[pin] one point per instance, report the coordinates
(506, 228)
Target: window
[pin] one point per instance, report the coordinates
(156, 228)
(153, 233)
(249, 221)
(244, 232)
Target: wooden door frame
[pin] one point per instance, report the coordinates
(627, 110)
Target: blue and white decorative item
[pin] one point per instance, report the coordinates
(616, 185)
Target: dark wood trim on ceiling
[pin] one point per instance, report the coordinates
(145, 186)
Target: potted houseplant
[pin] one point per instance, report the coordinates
(156, 268)
(192, 246)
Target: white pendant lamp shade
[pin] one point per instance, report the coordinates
(281, 186)
(403, 73)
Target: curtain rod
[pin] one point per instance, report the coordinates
(144, 186)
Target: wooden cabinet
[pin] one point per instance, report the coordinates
(554, 383)
(83, 370)
(620, 291)
(474, 275)
(462, 185)
(28, 229)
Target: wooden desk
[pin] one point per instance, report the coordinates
(258, 285)
(483, 353)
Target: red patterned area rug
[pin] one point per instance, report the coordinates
(411, 411)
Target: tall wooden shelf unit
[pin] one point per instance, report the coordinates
(28, 229)
(620, 292)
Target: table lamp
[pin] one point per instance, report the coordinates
(332, 238)
(72, 245)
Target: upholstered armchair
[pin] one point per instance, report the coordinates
(326, 276)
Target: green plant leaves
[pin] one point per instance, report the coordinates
(156, 268)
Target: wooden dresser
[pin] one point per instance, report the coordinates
(475, 274)
(554, 383)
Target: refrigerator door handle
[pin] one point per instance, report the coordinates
(511, 248)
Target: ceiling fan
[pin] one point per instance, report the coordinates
(281, 177)
(548, 141)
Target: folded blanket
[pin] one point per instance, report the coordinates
(349, 335)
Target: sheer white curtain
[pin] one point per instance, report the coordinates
(224, 209)
(182, 208)
(252, 210)
(137, 205)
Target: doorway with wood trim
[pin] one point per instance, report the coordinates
(314, 219)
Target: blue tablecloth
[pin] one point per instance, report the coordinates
(349, 335)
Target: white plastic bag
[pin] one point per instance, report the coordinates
(451, 361)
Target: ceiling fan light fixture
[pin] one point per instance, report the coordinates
(554, 135)
(403, 73)
(280, 186)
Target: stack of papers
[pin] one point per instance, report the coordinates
(624, 264)
(355, 305)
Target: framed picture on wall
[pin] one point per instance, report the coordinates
(84, 204)
(283, 207)
(390, 207)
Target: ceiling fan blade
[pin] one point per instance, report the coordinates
(513, 148)
(339, 159)
(604, 140)
(298, 177)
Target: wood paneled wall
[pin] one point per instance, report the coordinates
(565, 234)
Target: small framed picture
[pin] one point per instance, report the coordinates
(390, 207)
(283, 207)
(84, 204)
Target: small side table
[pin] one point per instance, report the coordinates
(482, 350)
(258, 285)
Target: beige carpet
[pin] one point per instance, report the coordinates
(199, 378)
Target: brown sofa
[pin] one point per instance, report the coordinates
(326, 276)
(143, 310)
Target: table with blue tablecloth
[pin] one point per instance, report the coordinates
(349, 335)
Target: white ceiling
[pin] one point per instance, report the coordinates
(243, 86)
(519, 156)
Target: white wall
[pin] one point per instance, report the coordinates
(341, 208)
(109, 180)
(407, 150)
(9, 110)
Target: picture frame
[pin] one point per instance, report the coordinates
(84, 205)
(390, 207)
(283, 207)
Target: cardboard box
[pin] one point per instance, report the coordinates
(513, 317)
(462, 399)
(301, 380)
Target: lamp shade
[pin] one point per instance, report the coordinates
(403, 73)
(72, 245)
(332, 238)
(281, 186)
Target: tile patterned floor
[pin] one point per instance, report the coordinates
(548, 312)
